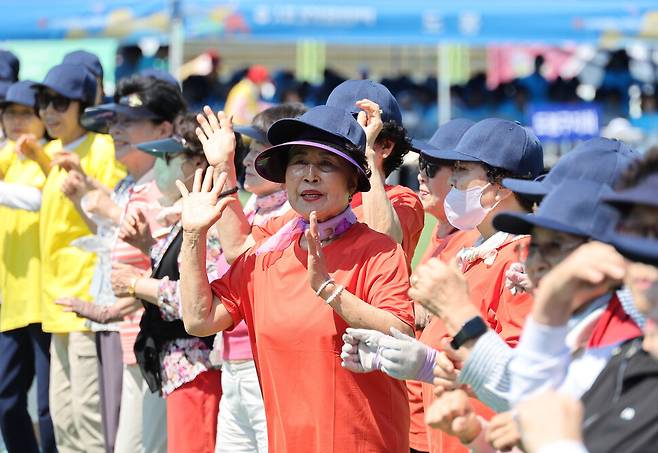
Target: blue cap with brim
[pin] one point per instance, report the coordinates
(328, 128)
(500, 144)
(644, 193)
(446, 138)
(9, 66)
(86, 59)
(345, 96)
(252, 132)
(97, 118)
(22, 93)
(170, 145)
(4, 87)
(71, 81)
(574, 207)
(599, 159)
(635, 248)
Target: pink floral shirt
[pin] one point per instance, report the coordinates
(184, 359)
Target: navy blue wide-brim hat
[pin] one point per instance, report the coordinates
(345, 96)
(446, 138)
(22, 93)
(575, 207)
(635, 248)
(643, 193)
(324, 127)
(599, 159)
(500, 144)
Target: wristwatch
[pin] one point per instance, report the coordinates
(474, 328)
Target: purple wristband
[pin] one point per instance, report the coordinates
(426, 372)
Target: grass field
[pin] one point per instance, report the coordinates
(430, 222)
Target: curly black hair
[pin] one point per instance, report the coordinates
(496, 175)
(160, 97)
(401, 145)
(639, 169)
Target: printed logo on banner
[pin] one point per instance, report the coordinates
(579, 121)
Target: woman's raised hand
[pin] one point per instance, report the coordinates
(217, 137)
(317, 268)
(370, 119)
(203, 206)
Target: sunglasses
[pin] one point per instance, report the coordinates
(60, 103)
(427, 167)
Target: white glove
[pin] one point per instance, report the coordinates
(361, 352)
(400, 356)
(403, 357)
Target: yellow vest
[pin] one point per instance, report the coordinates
(66, 269)
(7, 156)
(20, 271)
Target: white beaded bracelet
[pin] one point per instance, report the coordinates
(339, 289)
(324, 285)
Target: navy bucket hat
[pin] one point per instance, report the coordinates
(599, 159)
(446, 138)
(345, 95)
(328, 128)
(500, 144)
(583, 215)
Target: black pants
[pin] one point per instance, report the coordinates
(24, 353)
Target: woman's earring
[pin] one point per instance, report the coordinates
(350, 198)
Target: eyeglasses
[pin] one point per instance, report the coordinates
(60, 103)
(427, 167)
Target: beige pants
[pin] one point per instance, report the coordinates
(74, 395)
(143, 416)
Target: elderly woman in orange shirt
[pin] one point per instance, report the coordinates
(299, 289)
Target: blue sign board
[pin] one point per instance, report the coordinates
(556, 122)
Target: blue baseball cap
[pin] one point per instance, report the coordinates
(446, 138)
(4, 86)
(331, 129)
(599, 159)
(86, 59)
(71, 81)
(584, 214)
(162, 75)
(97, 118)
(345, 95)
(9, 66)
(635, 248)
(500, 144)
(22, 93)
(253, 132)
(644, 193)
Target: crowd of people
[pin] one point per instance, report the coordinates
(157, 311)
(608, 79)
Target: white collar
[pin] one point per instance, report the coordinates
(75, 143)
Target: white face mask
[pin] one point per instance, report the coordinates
(464, 209)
